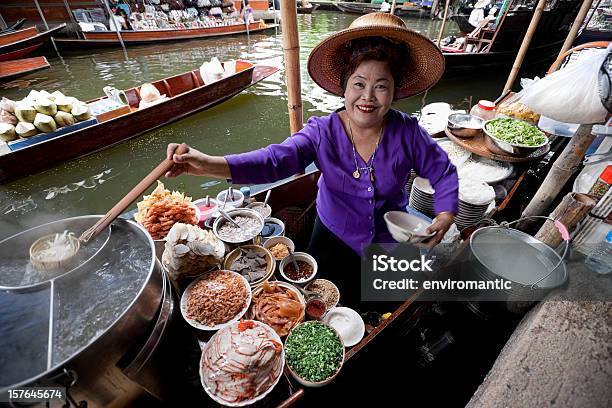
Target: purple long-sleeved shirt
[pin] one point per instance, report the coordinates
(353, 209)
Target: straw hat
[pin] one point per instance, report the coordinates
(482, 4)
(422, 69)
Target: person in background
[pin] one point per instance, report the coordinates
(117, 22)
(246, 12)
(385, 6)
(477, 16)
(126, 26)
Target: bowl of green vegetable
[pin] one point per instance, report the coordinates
(512, 136)
(314, 353)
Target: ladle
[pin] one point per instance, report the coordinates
(267, 198)
(293, 261)
(74, 243)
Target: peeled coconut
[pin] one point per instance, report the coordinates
(7, 105)
(56, 95)
(64, 119)
(33, 95)
(25, 129)
(7, 117)
(45, 123)
(44, 94)
(64, 103)
(25, 112)
(81, 111)
(46, 106)
(7, 132)
(149, 93)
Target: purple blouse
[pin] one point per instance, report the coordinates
(352, 208)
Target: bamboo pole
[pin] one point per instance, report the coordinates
(393, 4)
(571, 36)
(117, 30)
(443, 22)
(533, 25)
(291, 47)
(72, 19)
(562, 169)
(42, 16)
(569, 212)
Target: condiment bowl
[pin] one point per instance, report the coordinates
(502, 147)
(251, 314)
(298, 256)
(265, 211)
(272, 220)
(405, 227)
(270, 262)
(464, 125)
(238, 199)
(279, 240)
(243, 212)
(332, 284)
(307, 383)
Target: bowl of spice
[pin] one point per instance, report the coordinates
(314, 353)
(307, 268)
(250, 222)
(279, 247)
(315, 308)
(327, 291)
(264, 210)
(255, 263)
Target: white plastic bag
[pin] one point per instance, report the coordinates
(570, 95)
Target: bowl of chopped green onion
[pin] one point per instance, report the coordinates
(512, 136)
(314, 353)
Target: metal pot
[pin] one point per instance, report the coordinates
(502, 147)
(79, 328)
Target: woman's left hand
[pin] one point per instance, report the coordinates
(441, 224)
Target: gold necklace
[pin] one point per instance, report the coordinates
(369, 166)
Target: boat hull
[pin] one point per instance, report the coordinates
(82, 142)
(23, 39)
(14, 69)
(13, 55)
(110, 38)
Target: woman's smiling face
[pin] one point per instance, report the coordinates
(369, 93)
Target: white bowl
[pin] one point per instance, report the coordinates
(268, 209)
(299, 256)
(260, 396)
(405, 227)
(347, 323)
(201, 326)
(277, 222)
(245, 212)
(279, 240)
(236, 202)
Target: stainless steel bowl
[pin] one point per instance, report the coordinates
(502, 147)
(466, 126)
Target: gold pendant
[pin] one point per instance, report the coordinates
(371, 175)
(356, 174)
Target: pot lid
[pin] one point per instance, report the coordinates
(47, 319)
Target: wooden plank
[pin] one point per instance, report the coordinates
(13, 55)
(40, 38)
(11, 37)
(17, 68)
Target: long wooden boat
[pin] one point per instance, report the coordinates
(307, 10)
(20, 67)
(187, 94)
(111, 39)
(22, 42)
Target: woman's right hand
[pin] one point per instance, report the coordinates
(192, 162)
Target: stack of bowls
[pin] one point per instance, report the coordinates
(413, 175)
(421, 197)
(475, 197)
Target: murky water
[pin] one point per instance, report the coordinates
(253, 119)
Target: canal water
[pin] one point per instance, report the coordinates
(253, 119)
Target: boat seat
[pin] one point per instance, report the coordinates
(180, 84)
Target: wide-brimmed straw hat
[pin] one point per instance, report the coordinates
(422, 69)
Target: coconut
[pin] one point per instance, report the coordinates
(44, 94)
(45, 123)
(46, 106)
(25, 112)
(7, 117)
(56, 95)
(81, 111)
(33, 95)
(25, 129)
(7, 105)
(64, 104)
(64, 119)
(7, 132)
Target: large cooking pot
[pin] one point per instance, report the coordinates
(532, 267)
(78, 328)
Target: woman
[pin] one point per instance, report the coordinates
(365, 151)
(246, 12)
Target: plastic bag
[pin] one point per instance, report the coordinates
(571, 94)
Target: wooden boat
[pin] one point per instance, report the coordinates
(111, 39)
(20, 67)
(187, 94)
(16, 26)
(22, 42)
(307, 10)
(358, 8)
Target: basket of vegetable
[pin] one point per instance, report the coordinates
(314, 353)
(512, 136)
